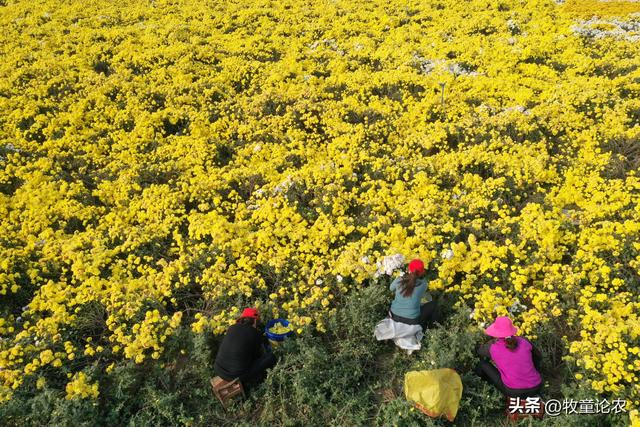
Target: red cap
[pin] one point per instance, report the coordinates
(250, 312)
(416, 266)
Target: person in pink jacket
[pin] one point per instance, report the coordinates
(515, 370)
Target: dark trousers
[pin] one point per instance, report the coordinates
(258, 370)
(490, 373)
(429, 314)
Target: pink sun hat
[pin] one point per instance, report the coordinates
(501, 328)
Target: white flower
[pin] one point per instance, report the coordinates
(390, 263)
(284, 185)
(513, 26)
(365, 259)
(339, 278)
(518, 108)
(482, 324)
(516, 307)
(447, 254)
(627, 30)
(318, 281)
(472, 314)
(426, 65)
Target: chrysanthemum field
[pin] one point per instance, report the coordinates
(165, 163)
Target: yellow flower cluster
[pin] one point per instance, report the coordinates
(613, 323)
(590, 8)
(80, 388)
(279, 328)
(145, 336)
(270, 154)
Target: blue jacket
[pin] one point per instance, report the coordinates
(408, 307)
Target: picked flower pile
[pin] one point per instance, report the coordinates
(280, 329)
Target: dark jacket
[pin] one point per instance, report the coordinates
(240, 347)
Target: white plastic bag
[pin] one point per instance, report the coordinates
(407, 337)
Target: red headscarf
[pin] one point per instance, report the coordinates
(416, 266)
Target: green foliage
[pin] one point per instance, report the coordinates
(326, 380)
(343, 377)
(399, 412)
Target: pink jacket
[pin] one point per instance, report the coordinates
(516, 366)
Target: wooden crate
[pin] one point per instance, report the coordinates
(226, 390)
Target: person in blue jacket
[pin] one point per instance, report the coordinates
(409, 290)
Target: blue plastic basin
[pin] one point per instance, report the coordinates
(273, 336)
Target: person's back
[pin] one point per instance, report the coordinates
(407, 306)
(240, 347)
(516, 366)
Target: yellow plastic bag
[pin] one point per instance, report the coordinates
(634, 418)
(436, 392)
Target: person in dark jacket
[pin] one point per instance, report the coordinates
(244, 352)
(515, 370)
